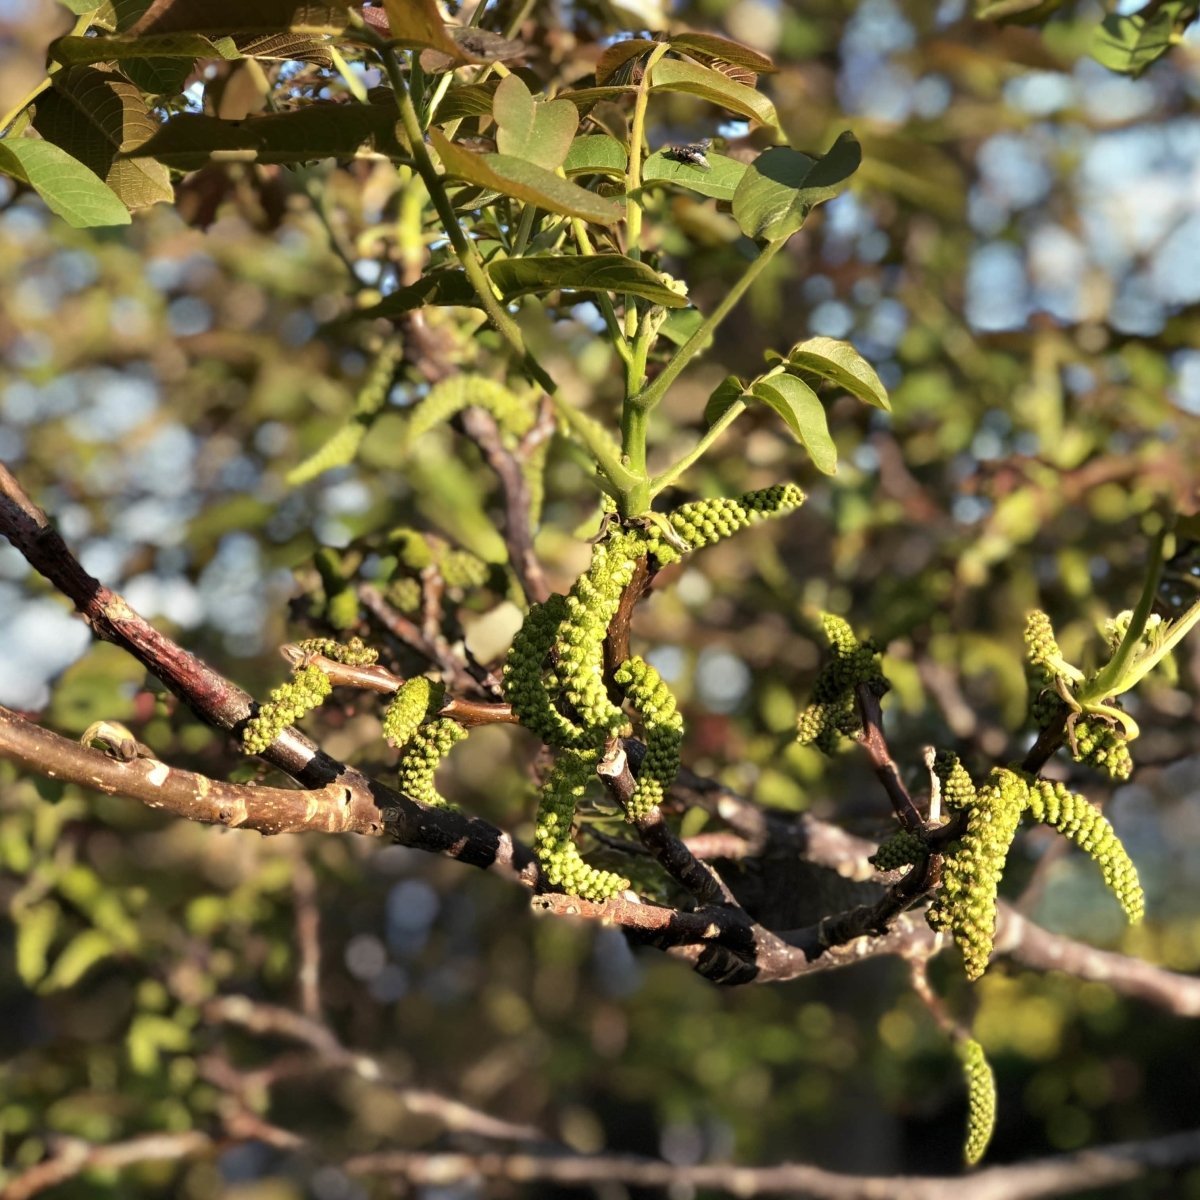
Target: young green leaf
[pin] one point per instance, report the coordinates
(781, 187)
(730, 391)
(675, 75)
(840, 363)
(537, 131)
(1129, 44)
(585, 273)
(720, 181)
(69, 189)
(803, 413)
(524, 181)
(596, 154)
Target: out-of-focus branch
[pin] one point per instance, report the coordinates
(1057, 1176)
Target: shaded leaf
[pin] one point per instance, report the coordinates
(585, 99)
(477, 45)
(96, 115)
(324, 129)
(803, 413)
(618, 55)
(781, 187)
(236, 16)
(596, 154)
(525, 181)
(471, 100)
(590, 273)
(839, 362)
(708, 45)
(190, 46)
(280, 47)
(537, 131)
(720, 181)
(158, 76)
(69, 189)
(418, 23)
(675, 75)
(725, 395)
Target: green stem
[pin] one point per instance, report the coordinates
(651, 395)
(1108, 679)
(603, 299)
(464, 249)
(524, 229)
(665, 478)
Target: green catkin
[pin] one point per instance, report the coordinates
(1077, 818)
(354, 653)
(404, 594)
(1043, 660)
(306, 690)
(663, 725)
(972, 866)
(341, 600)
(559, 857)
(958, 790)
(447, 399)
(341, 448)
(426, 748)
(981, 1100)
(416, 700)
(704, 522)
(1096, 743)
(462, 569)
(833, 711)
(902, 849)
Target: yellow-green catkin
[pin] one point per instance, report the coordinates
(972, 867)
(704, 522)
(341, 600)
(416, 700)
(1096, 742)
(663, 726)
(306, 690)
(958, 789)
(426, 748)
(981, 1100)
(446, 399)
(1043, 660)
(833, 712)
(902, 849)
(354, 653)
(341, 448)
(1077, 818)
(562, 865)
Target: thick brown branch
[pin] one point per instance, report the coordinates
(1057, 1176)
(873, 741)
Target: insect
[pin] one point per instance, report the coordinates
(693, 154)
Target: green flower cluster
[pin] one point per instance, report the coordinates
(902, 849)
(354, 653)
(404, 594)
(664, 733)
(958, 789)
(981, 1100)
(306, 690)
(426, 748)
(704, 522)
(1077, 818)
(833, 712)
(1098, 743)
(561, 862)
(447, 399)
(971, 870)
(417, 700)
(341, 600)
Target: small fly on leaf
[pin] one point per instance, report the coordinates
(693, 154)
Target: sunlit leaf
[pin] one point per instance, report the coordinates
(839, 362)
(418, 23)
(538, 131)
(1129, 44)
(69, 189)
(676, 75)
(591, 273)
(708, 45)
(781, 187)
(803, 413)
(524, 181)
(720, 181)
(596, 154)
(236, 16)
(618, 55)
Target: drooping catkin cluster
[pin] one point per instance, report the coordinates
(416, 701)
(1098, 743)
(972, 866)
(833, 712)
(554, 675)
(341, 448)
(1077, 818)
(664, 733)
(426, 748)
(981, 1099)
(307, 689)
(703, 522)
(446, 399)
(557, 853)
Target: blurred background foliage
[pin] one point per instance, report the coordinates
(1019, 257)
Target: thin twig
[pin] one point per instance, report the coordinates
(872, 739)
